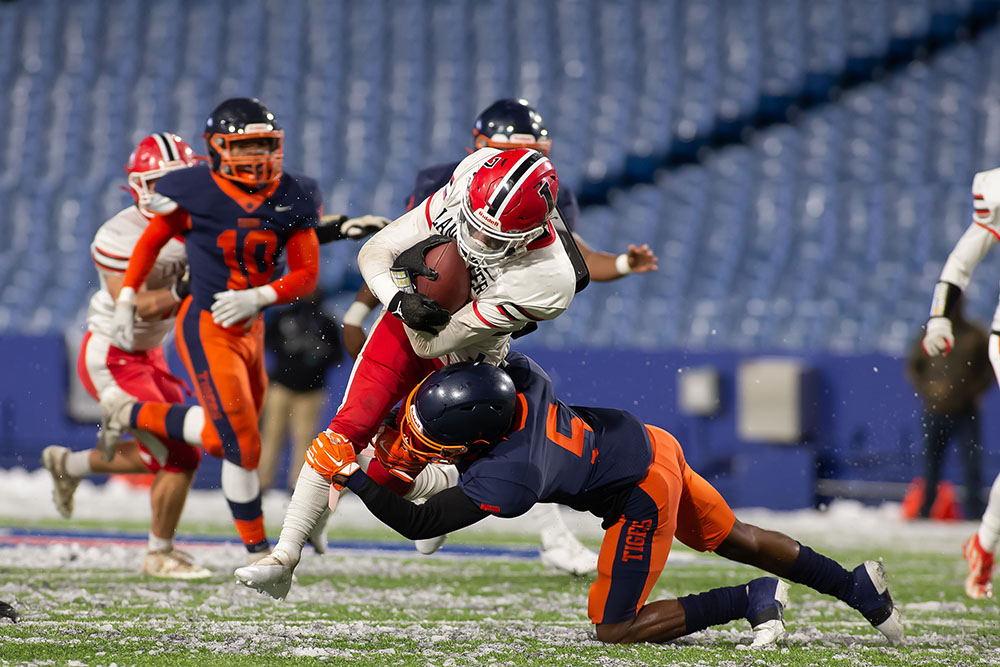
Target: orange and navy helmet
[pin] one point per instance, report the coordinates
(511, 124)
(153, 157)
(456, 411)
(244, 120)
(507, 206)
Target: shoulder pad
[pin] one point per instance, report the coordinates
(161, 205)
(986, 195)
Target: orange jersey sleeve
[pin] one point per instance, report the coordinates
(303, 267)
(160, 230)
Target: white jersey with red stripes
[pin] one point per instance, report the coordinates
(110, 250)
(538, 285)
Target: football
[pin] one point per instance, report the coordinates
(452, 288)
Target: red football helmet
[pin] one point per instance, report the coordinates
(507, 206)
(155, 155)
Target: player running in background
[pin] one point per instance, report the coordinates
(503, 125)
(515, 444)
(498, 206)
(237, 216)
(141, 373)
(982, 234)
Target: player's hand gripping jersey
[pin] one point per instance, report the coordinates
(536, 283)
(982, 234)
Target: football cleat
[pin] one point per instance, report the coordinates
(116, 404)
(978, 584)
(767, 598)
(7, 611)
(173, 564)
(271, 575)
(63, 485)
(567, 554)
(870, 596)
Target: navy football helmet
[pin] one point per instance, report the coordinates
(246, 125)
(456, 410)
(511, 124)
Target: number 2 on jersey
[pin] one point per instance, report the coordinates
(252, 264)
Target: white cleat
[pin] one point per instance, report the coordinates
(63, 485)
(768, 620)
(271, 575)
(567, 554)
(173, 564)
(872, 598)
(432, 480)
(116, 404)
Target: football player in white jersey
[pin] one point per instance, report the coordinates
(143, 373)
(982, 234)
(498, 206)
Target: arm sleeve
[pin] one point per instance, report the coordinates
(303, 267)
(380, 251)
(444, 513)
(967, 253)
(159, 230)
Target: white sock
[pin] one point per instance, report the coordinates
(159, 543)
(433, 479)
(989, 529)
(78, 464)
(239, 484)
(310, 498)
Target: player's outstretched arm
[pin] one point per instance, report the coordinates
(336, 227)
(605, 266)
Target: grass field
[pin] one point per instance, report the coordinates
(86, 604)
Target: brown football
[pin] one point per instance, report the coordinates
(452, 289)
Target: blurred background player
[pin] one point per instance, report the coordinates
(141, 372)
(506, 124)
(498, 207)
(939, 339)
(238, 216)
(516, 444)
(305, 341)
(950, 388)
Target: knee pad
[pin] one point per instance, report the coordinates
(239, 484)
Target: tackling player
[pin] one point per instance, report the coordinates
(237, 216)
(141, 372)
(978, 239)
(497, 206)
(515, 444)
(507, 124)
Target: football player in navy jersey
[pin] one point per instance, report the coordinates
(515, 444)
(507, 124)
(238, 217)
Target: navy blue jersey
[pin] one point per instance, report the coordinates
(575, 456)
(433, 178)
(236, 242)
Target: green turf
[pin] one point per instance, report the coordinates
(360, 609)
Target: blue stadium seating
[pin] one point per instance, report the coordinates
(823, 232)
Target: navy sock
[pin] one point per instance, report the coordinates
(822, 574)
(717, 606)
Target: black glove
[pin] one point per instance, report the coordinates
(335, 227)
(182, 287)
(418, 312)
(525, 330)
(410, 263)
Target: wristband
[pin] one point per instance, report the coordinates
(622, 265)
(946, 295)
(356, 314)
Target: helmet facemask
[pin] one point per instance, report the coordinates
(418, 445)
(255, 170)
(482, 242)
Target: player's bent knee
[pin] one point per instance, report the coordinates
(741, 543)
(616, 633)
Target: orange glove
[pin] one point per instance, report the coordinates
(391, 453)
(331, 454)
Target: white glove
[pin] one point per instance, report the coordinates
(234, 306)
(939, 339)
(358, 228)
(123, 320)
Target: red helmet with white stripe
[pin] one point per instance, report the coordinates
(509, 201)
(155, 155)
